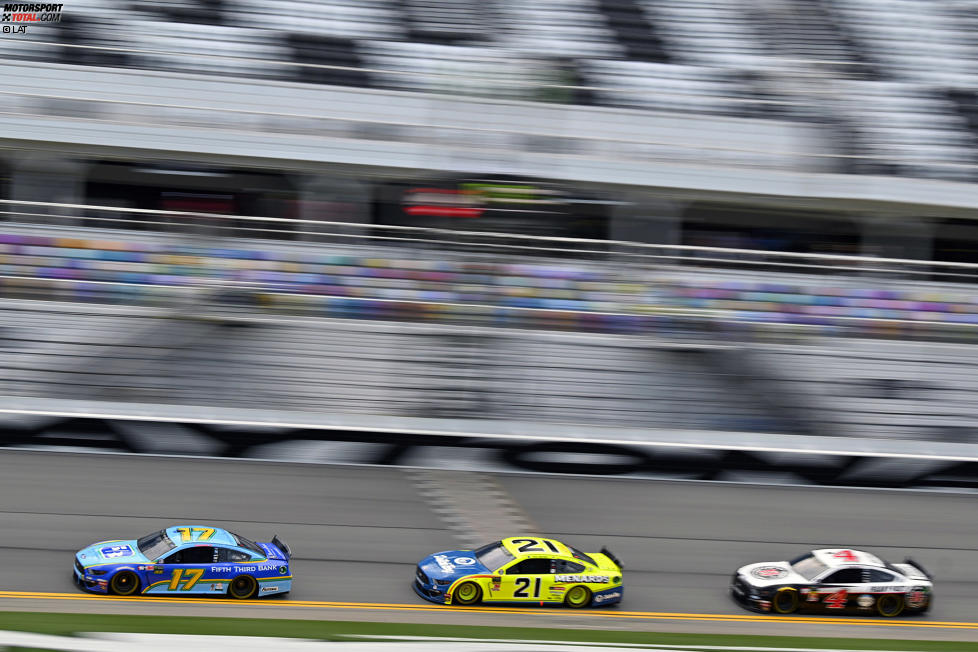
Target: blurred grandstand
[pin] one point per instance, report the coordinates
(702, 214)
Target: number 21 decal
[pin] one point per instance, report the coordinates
(534, 545)
(522, 584)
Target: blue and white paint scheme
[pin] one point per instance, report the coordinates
(186, 559)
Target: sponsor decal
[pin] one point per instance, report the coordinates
(769, 572)
(812, 596)
(268, 589)
(221, 569)
(283, 570)
(558, 589)
(494, 583)
(82, 556)
(604, 597)
(111, 552)
(865, 601)
(147, 568)
(917, 597)
(464, 561)
(765, 605)
(158, 570)
(217, 586)
(591, 579)
(444, 563)
(266, 567)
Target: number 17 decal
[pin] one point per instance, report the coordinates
(191, 534)
(189, 577)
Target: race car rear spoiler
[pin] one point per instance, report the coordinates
(607, 553)
(281, 545)
(916, 565)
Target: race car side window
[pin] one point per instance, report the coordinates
(564, 566)
(881, 576)
(194, 555)
(845, 576)
(229, 555)
(530, 567)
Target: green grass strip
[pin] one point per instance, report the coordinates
(67, 624)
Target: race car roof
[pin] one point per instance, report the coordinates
(833, 557)
(182, 534)
(536, 547)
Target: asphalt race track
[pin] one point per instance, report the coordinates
(358, 531)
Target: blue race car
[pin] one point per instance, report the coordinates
(185, 559)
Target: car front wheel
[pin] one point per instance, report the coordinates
(785, 600)
(124, 583)
(467, 593)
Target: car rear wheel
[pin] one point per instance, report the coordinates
(467, 593)
(785, 600)
(890, 605)
(578, 597)
(243, 587)
(124, 583)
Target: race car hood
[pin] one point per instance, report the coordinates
(451, 565)
(111, 552)
(770, 573)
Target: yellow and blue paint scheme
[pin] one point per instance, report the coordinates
(527, 570)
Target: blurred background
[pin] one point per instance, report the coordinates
(731, 216)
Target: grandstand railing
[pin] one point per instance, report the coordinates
(474, 242)
(204, 266)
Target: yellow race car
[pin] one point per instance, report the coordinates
(527, 570)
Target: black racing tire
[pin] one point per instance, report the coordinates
(577, 597)
(467, 593)
(890, 605)
(243, 587)
(785, 600)
(124, 583)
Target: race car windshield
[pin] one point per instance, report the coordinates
(247, 543)
(155, 545)
(807, 566)
(493, 555)
(583, 557)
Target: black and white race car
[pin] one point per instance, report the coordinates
(834, 580)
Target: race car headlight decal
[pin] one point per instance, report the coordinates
(443, 582)
(616, 579)
(99, 572)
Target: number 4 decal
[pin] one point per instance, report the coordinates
(846, 555)
(837, 600)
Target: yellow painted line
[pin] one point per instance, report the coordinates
(646, 615)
